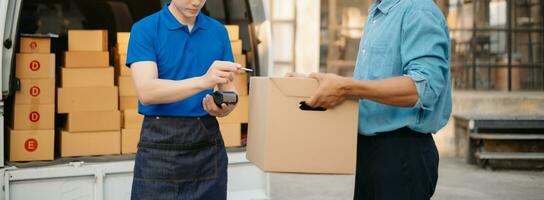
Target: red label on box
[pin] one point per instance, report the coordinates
(31, 145)
(34, 91)
(34, 65)
(34, 116)
(33, 45)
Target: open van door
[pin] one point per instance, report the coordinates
(251, 15)
(9, 17)
(110, 177)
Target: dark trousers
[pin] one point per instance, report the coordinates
(397, 165)
(180, 159)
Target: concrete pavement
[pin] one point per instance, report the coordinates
(457, 180)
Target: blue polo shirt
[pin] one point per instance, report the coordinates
(180, 54)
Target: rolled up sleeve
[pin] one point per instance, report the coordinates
(425, 56)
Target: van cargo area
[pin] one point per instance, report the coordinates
(69, 110)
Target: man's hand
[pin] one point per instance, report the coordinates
(221, 72)
(214, 110)
(331, 91)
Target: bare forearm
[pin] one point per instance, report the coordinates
(397, 91)
(159, 91)
(153, 90)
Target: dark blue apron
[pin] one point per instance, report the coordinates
(180, 158)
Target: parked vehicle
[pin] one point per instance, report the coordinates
(109, 177)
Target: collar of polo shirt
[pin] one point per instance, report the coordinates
(173, 24)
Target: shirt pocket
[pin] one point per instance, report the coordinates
(378, 65)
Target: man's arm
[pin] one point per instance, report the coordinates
(397, 91)
(152, 90)
(333, 89)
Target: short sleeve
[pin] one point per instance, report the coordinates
(140, 46)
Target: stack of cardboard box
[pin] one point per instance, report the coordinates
(89, 97)
(128, 100)
(32, 135)
(231, 126)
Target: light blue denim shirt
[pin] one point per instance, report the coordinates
(406, 38)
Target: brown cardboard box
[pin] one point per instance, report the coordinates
(240, 59)
(31, 145)
(239, 115)
(236, 47)
(87, 40)
(127, 103)
(35, 45)
(132, 119)
(90, 143)
(87, 99)
(232, 134)
(34, 117)
(241, 84)
(93, 121)
(36, 92)
(123, 69)
(123, 37)
(86, 59)
(284, 138)
(34, 65)
(129, 140)
(122, 48)
(87, 77)
(126, 86)
(233, 31)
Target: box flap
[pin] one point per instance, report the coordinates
(296, 87)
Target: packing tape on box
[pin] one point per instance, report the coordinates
(35, 101)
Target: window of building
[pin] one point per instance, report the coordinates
(497, 44)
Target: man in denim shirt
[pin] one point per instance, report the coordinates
(402, 80)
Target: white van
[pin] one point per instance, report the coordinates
(109, 177)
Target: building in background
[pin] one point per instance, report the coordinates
(342, 25)
(295, 35)
(497, 44)
(498, 48)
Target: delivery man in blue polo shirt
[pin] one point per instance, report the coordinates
(177, 56)
(402, 80)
